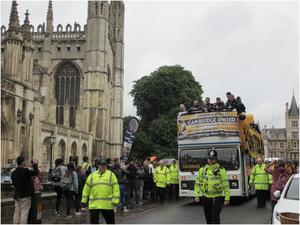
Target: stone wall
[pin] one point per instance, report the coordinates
(8, 208)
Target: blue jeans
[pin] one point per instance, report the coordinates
(122, 195)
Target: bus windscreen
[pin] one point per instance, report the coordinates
(193, 159)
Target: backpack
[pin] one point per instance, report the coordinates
(66, 181)
(56, 174)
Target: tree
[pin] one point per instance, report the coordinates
(157, 98)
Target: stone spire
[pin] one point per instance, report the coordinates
(14, 25)
(294, 110)
(26, 28)
(49, 18)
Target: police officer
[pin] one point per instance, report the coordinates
(162, 180)
(212, 181)
(102, 192)
(174, 181)
(261, 180)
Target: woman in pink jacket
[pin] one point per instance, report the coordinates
(280, 177)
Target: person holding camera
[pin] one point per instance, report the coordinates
(212, 181)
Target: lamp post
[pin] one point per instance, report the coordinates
(52, 140)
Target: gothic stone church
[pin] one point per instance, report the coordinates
(65, 83)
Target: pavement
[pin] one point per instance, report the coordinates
(186, 212)
(48, 216)
(183, 211)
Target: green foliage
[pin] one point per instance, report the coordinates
(157, 98)
(163, 90)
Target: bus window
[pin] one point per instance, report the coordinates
(228, 158)
(192, 160)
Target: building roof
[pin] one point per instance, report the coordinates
(294, 110)
(276, 133)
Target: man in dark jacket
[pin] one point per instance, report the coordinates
(219, 105)
(231, 102)
(240, 107)
(21, 179)
(121, 177)
(132, 181)
(208, 107)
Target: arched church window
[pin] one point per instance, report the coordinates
(67, 92)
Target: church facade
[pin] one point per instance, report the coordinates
(62, 88)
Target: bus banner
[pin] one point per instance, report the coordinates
(207, 124)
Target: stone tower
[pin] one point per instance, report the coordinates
(66, 82)
(96, 73)
(292, 128)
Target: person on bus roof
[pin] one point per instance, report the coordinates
(182, 108)
(240, 107)
(219, 105)
(208, 107)
(228, 94)
(231, 102)
(196, 106)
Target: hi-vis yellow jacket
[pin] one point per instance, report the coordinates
(85, 165)
(212, 181)
(161, 176)
(174, 174)
(101, 190)
(260, 177)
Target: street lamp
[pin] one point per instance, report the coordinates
(52, 139)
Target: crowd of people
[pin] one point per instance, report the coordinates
(132, 182)
(231, 104)
(105, 185)
(270, 176)
(150, 180)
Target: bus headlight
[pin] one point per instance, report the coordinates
(187, 185)
(233, 184)
(184, 186)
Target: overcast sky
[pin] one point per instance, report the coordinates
(248, 48)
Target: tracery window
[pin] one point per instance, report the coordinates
(67, 92)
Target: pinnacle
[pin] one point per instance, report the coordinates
(14, 25)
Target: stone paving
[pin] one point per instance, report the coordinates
(48, 216)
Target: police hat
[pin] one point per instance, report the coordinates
(212, 154)
(103, 163)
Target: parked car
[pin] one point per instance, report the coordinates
(287, 208)
(6, 174)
